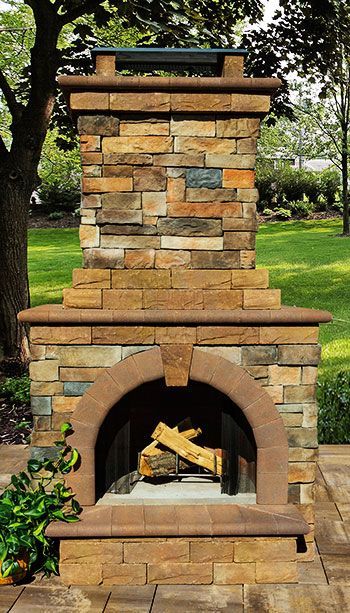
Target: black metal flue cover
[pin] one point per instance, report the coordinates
(156, 58)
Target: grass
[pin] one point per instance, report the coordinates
(306, 259)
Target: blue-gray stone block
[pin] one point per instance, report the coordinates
(204, 177)
(44, 453)
(41, 405)
(75, 388)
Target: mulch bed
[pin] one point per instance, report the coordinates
(11, 415)
(41, 221)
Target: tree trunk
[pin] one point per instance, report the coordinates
(345, 187)
(14, 206)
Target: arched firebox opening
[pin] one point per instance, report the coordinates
(128, 427)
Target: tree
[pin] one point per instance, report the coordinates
(30, 104)
(312, 39)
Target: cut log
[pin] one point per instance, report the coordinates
(191, 453)
(151, 456)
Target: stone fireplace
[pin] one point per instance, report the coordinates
(169, 320)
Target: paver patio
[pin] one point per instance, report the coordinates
(324, 584)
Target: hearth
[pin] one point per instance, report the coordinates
(169, 325)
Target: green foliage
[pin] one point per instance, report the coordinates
(16, 389)
(58, 197)
(296, 190)
(35, 498)
(334, 409)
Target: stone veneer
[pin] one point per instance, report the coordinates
(169, 290)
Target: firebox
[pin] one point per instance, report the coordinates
(190, 389)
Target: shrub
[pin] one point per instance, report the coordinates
(57, 198)
(334, 409)
(16, 389)
(301, 208)
(329, 181)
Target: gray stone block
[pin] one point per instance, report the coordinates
(98, 124)
(44, 453)
(204, 177)
(189, 226)
(41, 405)
(259, 355)
(75, 388)
(215, 259)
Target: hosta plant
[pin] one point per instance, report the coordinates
(32, 500)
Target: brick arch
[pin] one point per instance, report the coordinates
(234, 381)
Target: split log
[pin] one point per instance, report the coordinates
(153, 464)
(186, 449)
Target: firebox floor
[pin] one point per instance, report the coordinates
(189, 489)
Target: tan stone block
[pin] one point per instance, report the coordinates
(278, 572)
(222, 299)
(115, 216)
(234, 574)
(215, 551)
(249, 210)
(86, 356)
(58, 419)
(246, 145)
(143, 101)
(309, 375)
(128, 128)
(232, 354)
(60, 335)
(238, 178)
(133, 159)
(299, 393)
(240, 224)
(258, 372)
(213, 243)
(45, 439)
(176, 361)
(118, 201)
(205, 210)
(91, 171)
(194, 144)
(123, 335)
(65, 404)
(168, 551)
(80, 374)
(144, 279)
(129, 242)
(310, 414)
(307, 493)
(201, 279)
(258, 278)
(154, 203)
(227, 335)
(103, 258)
(262, 299)
(176, 189)
(37, 352)
(175, 335)
(82, 298)
(117, 171)
(90, 143)
(284, 375)
(239, 240)
(124, 574)
(247, 259)
(122, 299)
(43, 388)
(179, 160)
(90, 551)
(292, 420)
(89, 236)
(140, 258)
(259, 550)
(200, 102)
(91, 278)
(44, 370)
(135, 144)
(233, 66)
(42, 422)
(182, 126)
(247, 195)
(172, 259)
(180, 573)
(91, 157)
(285, 335)
(297, 454)
(244, 161)
(81, 574)
(301, 472)
(150, 179)
(172, 299)
(250, 103)
(238, 128)
(275, 392)
(89, 100)
(107, 184)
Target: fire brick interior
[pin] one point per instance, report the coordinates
(170, 319)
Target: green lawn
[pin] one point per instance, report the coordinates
(306, 259)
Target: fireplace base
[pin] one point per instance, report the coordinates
(185, 560)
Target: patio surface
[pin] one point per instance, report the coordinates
(324, 584)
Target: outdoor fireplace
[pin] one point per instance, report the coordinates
(190, 389)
